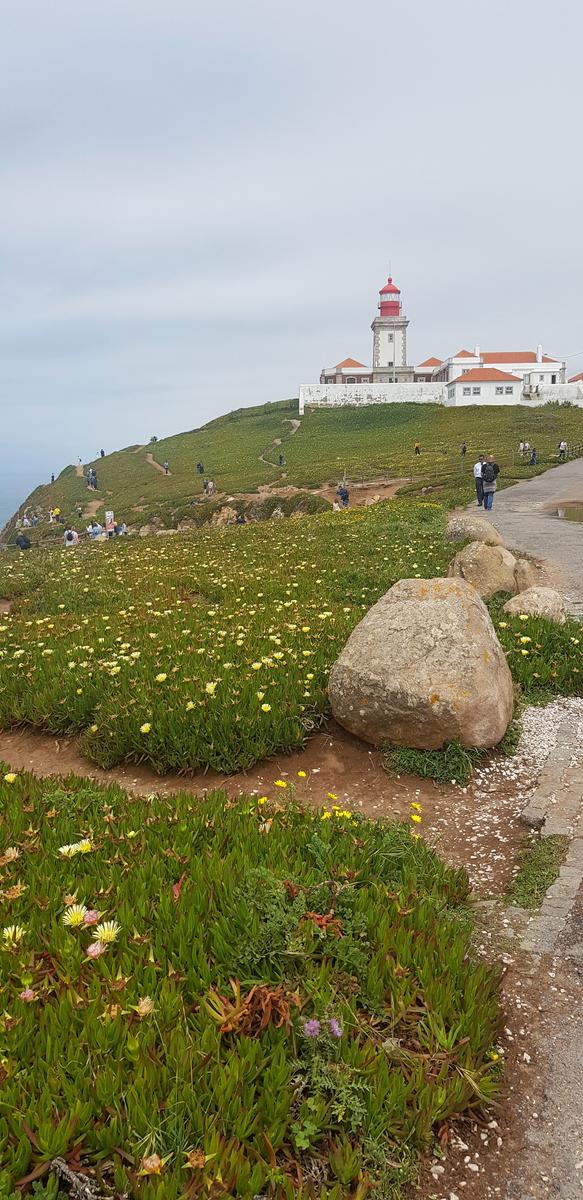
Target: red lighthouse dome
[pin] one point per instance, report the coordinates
(390, 299)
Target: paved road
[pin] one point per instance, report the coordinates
(522, 514)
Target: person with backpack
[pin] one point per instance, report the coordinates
(490, 473)
(70, 536)
(478, 480)
(22, 541)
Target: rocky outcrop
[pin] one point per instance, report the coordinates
(538, 602)
(424, 667)
(223, 516)
(490, 569)
(472, 525)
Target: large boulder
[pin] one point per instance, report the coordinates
(538, 602)
(424, 667)
(490, 569)
(529, 575)
(471, 525)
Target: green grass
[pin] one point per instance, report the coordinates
(453, 764)
(204, 650)
(238, 452)
(540, 861)
(176, 1057)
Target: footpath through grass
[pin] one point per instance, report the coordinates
(209, 998)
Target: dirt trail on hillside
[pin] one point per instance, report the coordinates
(79, 471)
(158, 466)
(91, 509)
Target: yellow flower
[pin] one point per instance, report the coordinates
(144, 1007)
(256, 666)
(12, 935)
(280, 783)
(190, 705)
(325, 816)
(524, 640)
(74, 916)
(331, 796)
(262, 799)
(85, 846)
(93, 728)
(525, 652)
(161, 677)
(416, 806)
(145, 728)
(503, 624)
(79, 691)
(302, 775)
(10, 777)
(260, 695)
(210, 689)
(107, 932)
(523, 616)
(415, 817)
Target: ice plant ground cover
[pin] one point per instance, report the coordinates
(209, 997)
(211, 649)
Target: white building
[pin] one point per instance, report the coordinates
(485, 385)
(533, 367)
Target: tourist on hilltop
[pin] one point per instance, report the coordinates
(166, 468)
(53, 477)
(34, 520)
(562, 450)
(26, 521)
(342, 493)
(478, 480)
(70, 537)
(417, 448)
(94, 480)
(463, 449)
(533, 460)
(102, 453)
(490, 473)
(22, 541)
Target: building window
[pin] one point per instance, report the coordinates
(499, 391)
(476, 391)
(467, 391)
(451, 393)
(526, 378)
(553, 378)
(541, 378)
(509, 390)
(351, 379)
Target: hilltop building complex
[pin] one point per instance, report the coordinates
(475, 376)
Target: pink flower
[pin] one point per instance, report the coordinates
(27, 995)
(91, 917)
(96, 949)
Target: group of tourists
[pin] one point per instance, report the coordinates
(91, 478)
(486, 472)
(343, 497)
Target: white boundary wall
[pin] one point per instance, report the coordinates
(337, 395)
(358, 395)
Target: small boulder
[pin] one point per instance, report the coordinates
(370, 500)
(223, 516)
(538, 602)
(471, 525)
(490, 569)
(277, 513)
(424, 667)
(530, 575)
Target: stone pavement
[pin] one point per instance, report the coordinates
(522, 515)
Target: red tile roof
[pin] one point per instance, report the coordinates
(430, 362)
(486, 375)
(514, 356)
(576, 378)
(350, 362)
(464, 354)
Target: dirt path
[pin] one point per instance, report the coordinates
(295, 425)
(158, 466)
(523, 514)
(79, 471)
(91, 509)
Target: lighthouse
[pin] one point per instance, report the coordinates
(389, 338)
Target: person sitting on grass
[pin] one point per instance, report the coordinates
(22, 541)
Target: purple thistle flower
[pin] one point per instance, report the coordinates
(311, 1028)
(335, 1028)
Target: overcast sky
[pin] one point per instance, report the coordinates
(199, 203)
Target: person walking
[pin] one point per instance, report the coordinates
(417, 448)
(478, 480)
(533, 460)
(166, 468)
(562, 450)
(463, 449)
(521, 448)
(490, 473)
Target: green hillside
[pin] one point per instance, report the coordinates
(240, 451)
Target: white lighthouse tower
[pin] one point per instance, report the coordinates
(389, 341)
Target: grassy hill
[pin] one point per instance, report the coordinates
(240, 452)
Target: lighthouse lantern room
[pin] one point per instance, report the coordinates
(389, 346)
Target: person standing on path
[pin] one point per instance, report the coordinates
(490, 473)
(478, 480)
(166, 468)
(417, 448)
(562, 450)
